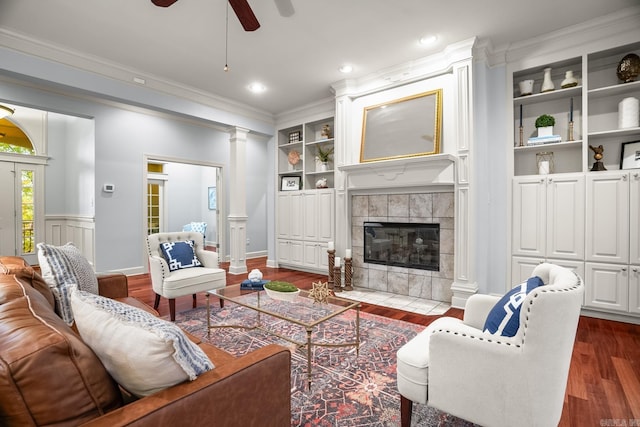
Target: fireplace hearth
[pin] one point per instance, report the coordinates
(409, 245)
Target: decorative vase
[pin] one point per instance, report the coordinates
(569, 80)
(629, 113)
(545, 131)
(628, 68)
(547, 83)
(526, 87)
(324, 166)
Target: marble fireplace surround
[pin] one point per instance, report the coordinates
(418, 190)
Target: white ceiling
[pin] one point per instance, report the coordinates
(297, 57)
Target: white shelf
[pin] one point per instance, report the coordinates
(554, 145)
(614, 133)
(549, 96)
(613, 90)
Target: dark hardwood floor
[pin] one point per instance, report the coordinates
(604, 379)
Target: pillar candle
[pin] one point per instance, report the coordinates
(347, 253)
(520, 115)
(543, 169)
(330, 246)
(337, 263)
(571, 111)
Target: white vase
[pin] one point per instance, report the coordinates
(324, 166)
(629, 113)
(526, 87)
(547, 83)
(569, 80)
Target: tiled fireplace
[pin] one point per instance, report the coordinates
(425, 208)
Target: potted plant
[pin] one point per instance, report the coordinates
(323, 157)
(544, 124)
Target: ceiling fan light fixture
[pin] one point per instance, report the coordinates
(257, 87)
(5, 111)
(346, 69)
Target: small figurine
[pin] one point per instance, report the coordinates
(598, 155)
(321, 183)
(326, 132)
(255, 275)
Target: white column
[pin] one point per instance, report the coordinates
(464, 284)
(238, 201)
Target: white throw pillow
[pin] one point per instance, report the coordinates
(143, 353)
(62, 268)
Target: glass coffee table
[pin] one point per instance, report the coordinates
(301, 310)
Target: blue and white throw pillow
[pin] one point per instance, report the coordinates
(143, 353)
(64, 267)
(504, 317)
(180, 254)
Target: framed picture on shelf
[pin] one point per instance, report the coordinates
(630, 155)
(294, 136)
(290, 183)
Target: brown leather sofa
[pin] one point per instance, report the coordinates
(49, 376)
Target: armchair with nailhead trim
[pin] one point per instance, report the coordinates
(494, 380)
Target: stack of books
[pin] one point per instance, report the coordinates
(538, 140)
(254, 286)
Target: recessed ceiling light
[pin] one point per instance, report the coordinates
(346, 68)
(257, 87)
(428, 40)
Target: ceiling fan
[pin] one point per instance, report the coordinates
(243, 11)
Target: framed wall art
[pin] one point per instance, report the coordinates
(630, 155)
(212, 196)
(405, 127)
(290, 183)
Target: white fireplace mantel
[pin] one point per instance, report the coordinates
(409, 172)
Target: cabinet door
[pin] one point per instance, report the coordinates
(565, 217)
(284, 214)
(295, 216)
(606, 286)
(521, 268)
(529, 216)
(310, 215)
(607, 231)
(311, 250)
(634, 218)
(283, 251)
(325, 218)
(296, 252)
(634, 289)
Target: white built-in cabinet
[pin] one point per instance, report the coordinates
(305, 217)
(305, 224)
(584, 219)
(548, 222)
(613, 264)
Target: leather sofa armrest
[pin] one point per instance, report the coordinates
(113, 285)
(251, 390)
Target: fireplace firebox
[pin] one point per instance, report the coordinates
(408, 245)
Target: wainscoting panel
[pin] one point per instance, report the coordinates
(78, 230)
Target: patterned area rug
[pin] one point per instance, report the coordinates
(347, 390)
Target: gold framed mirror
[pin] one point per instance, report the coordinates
(405, 127)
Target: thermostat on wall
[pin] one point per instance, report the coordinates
(108, 188)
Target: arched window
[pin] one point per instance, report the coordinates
(13, 139)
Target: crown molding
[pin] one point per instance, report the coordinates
(127, 76)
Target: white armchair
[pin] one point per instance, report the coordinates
(491, 380)
(187, 281)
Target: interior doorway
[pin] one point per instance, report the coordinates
(180, 192)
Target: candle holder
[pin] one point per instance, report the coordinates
(348, 274)
(337, 279)
(332, 259)
(571, 131)
(521, 144)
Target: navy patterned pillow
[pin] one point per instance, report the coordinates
(180, 254)
(504, 317)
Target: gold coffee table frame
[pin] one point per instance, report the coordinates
(315, 312)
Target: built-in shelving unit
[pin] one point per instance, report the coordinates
(584, 219)
(306, 139)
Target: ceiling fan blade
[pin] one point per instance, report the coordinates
(285, 8)
(245, 14)
(163, 3)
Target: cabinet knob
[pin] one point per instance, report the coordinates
(624, 177)
(635, 270)
(550, 179)
(542, 180)
(636, 175)
(624, 269)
